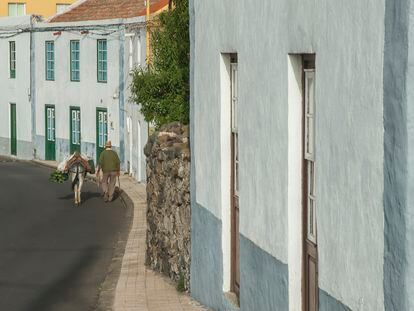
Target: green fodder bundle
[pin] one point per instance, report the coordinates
(58, 177)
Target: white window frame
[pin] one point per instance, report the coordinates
(309, 152)
(234, 122)
(51, 129)
(16, 6)
(76, 127)
(139, 54)
(131, 53)
(74, 46)
(309, 115)
(102, 128)
(12, 60)
(50, 60)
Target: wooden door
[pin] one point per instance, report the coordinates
(101, 130)
(13, 130)
(50, 130)
(309, 211)
(235, 239)
(75, 129)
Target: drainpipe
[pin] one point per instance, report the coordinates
(32, 87)
(148, 33)
(121, 99)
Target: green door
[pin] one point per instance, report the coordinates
(50, 130)
(75, 129)
(13, 130)
(101, 130)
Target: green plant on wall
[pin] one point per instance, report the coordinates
(181, 283)
(163, 88)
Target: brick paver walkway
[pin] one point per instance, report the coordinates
(139, 288)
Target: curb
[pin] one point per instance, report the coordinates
(44, 164)
(108, 286)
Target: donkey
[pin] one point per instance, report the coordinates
(77, 166)
(77, 176)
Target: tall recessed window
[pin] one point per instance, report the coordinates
(102, 61)
(50, 60)
(139, 51)
(75, 60)
(310, 150)
(17, 9)
(12, 59)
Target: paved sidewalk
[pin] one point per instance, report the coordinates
(139, 288)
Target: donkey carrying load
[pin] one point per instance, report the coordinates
(77, 165)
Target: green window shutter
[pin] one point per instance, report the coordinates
(50, 60)
(102, 63)
(12, 59)
(75, 60)
(13, 129)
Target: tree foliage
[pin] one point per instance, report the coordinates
(163, 88)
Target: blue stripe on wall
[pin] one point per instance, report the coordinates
(395, 152)
(263, 278)
(328, 303)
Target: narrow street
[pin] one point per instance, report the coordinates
(53, 255)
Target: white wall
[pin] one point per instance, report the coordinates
(15, 90)
(348, 39)
(137, 133)
(87, 94)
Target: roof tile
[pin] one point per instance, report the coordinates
(107, 9)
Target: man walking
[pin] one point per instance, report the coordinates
(110, 165)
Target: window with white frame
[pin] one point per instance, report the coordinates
(102, 128)
(310, 152)
(76, 127)
(139, 47)
(12, 59)
(131, 53)
(102, 60)
(50, 123)
(75, 60)
(234, 124)
(17, 9)
(50, 60)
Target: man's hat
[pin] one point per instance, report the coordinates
(108, 144)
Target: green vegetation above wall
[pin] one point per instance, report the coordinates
(163, 89)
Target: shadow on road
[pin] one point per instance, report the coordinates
(67, 293)
(85, 196)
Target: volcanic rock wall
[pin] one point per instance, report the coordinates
(168, 197)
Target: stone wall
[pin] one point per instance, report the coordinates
(168, 197)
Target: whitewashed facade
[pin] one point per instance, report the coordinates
(15, 88)
(77, 75)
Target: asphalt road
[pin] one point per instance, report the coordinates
(53, 255)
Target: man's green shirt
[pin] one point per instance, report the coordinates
(109, 161)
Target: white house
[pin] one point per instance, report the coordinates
(16, 111)
(302, 154)
(70, 88)
(82, 78)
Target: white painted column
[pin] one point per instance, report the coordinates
(225, 151)
(295, 218)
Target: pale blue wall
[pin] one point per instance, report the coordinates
(348, 39)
